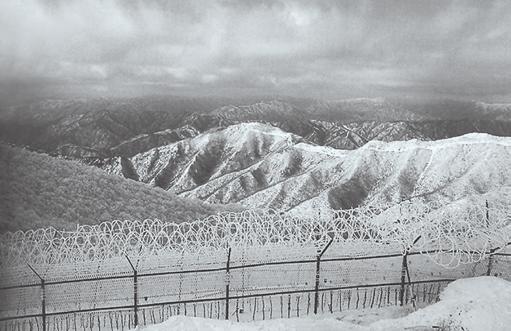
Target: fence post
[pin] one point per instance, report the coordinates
(405, 271)
(43, 297)
(228, 281)
(490, 263)
(490, 257)
(318, 268)
(404, 267)
(135, 291)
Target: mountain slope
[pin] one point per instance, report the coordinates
(38, 191)
(187, 164)
(93, 129)
(261, 166)
(96, 124)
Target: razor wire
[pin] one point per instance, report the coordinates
(449, 234)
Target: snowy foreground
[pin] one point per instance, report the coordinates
(473, 304)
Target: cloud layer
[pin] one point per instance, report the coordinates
(330, 49)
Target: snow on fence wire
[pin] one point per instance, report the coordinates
(249, 265)
(467, 231)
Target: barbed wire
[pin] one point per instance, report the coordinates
(449, 234)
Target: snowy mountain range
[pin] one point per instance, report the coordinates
(257, 165)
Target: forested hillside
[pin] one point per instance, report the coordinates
(37, 190)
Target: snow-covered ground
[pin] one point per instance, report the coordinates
(472, 304)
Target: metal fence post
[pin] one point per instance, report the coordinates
(490, 264)
(135, 291)
(490, 257)
(318, 268)
(405, 271)
(227, 285)
(316, 287)
(404, 267)
(43, 297)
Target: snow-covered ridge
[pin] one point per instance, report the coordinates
(259, 165)
(467, 139)
(237, 132)
(322, 149)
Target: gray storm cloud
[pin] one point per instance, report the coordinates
(320, 49)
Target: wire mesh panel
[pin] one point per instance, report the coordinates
(501, 266)
(16, 275)
(264, 269)
(20, 292)
(181, 287)
(272, 279)
(348, 264)
(422, 268)
(89, 295)
(113, 266)
(20, 301)
(360, 271)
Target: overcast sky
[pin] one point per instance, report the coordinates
(328, 49)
